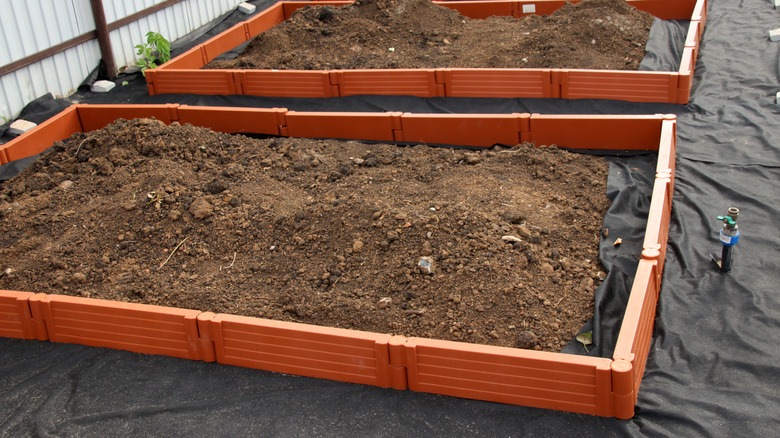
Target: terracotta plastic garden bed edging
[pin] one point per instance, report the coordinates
(183, 74)
(591, 385)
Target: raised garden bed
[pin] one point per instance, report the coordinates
(185, 73)
(551, 380)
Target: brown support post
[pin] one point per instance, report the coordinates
(103, 38)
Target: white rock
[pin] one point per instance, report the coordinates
(102, 86)
(246, 8)
(19, 127)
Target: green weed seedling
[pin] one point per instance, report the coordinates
(156, 48)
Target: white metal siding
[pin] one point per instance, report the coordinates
(30, 26)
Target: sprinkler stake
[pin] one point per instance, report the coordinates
(729, 236)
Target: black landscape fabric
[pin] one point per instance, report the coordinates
(713, 365)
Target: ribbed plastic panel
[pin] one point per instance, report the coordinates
(498, 83)
(15, 317)
(419, 82)
(286, 83)
(503, 375)
(125, 326)
(336, 354)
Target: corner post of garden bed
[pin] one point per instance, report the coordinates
(623, 394)
(150, 84)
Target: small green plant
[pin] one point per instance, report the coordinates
(156, 48)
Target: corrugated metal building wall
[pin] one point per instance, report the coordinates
(31, 26)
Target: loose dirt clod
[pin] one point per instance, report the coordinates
(593, 34)
(325, 232)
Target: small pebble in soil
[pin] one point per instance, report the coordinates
(426, 265)
(527, 340)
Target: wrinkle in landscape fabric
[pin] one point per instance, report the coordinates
(712, 369)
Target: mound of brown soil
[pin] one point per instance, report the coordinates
(594, 34)
(494, 247)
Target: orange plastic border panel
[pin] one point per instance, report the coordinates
(490, 82)
(301, 349)
(597, 132)
(413, 82)
(287, 83)
(507, 375)
(483, 9)
(124, 326)
(15, 316)
(632, 86)
(98, 116)
(207, 82)
(663, 9)
(700, 14)
(667, 149)
(666, 9)
(234, 120)
(464, 129)
(227, 40)
(693, 37)
(41, 137)
(657, 230)
(191, 59)
(358, 126)
(685, 84)
(265, 20)
(636, 330)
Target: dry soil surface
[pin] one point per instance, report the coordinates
(498, 246)
(593, 34)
